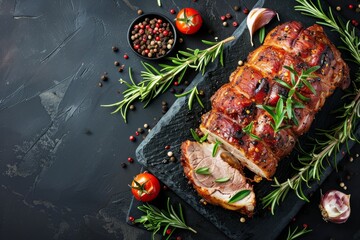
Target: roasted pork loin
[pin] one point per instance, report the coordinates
(235, 106)
(196, 156)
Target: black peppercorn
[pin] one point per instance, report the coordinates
(104, 78)
(115, 49)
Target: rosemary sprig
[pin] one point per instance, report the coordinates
(239, 195)
(347, 34)
(197, 138)
(297, 233)
(215, 148)
(312, 164)
(262, 34)
(203, 171)
(277, 113)
(155, 219)
(285, 107)
(194, 93)
(248, 131)
(156, 82)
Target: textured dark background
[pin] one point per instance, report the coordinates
(61, 154)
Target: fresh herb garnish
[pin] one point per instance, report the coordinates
(313, 162)
(215, 148)
(194, 93)
(261, 35)
(222, 180)
(239, 195)
(155, 219)
(285, 107)
(277, 114)
(197, 138)
(203, 171)
(248, 131)
(297, 233)
(156, 82)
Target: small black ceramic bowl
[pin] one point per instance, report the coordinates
(152, 36)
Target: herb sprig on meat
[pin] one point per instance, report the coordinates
(313, 163)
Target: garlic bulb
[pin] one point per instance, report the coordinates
(335, 206)
(259, 17)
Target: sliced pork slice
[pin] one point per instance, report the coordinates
(195, 156)
(253, 154)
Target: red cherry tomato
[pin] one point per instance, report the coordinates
(145, 187)
(188, 21)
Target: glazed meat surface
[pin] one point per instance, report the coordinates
(235, 104)
(235, 107)
(195, 156)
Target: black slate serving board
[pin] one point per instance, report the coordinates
(173, 129)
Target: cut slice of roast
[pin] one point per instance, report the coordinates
(223, 165)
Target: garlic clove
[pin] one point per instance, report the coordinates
(259, 17)
(335, 206)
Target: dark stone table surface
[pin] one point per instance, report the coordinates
(61, 153)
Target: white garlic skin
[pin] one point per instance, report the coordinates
(259, 17)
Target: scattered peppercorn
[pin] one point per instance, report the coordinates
(137, 133)
(178, 238)
(240, 63)
(126, 56)
(104, 78)
(168, 231)
(176, 83)
(201, 93)
(305, 225)
(354, 22)
(338, 8)
(223, 18)
(172, 90)
(242, 219)
(116, 63)
(170, 154)
(181, 40)
(140, 130)
(115, 49)
(100, 84)
(172, 11)
(121, 68)
(246, 11)
(172, 159)
(130, 160)
(228, 16)
(140, 12)
(132, 138)
(132, 107)
(236, 8)
(123, 165)
(225, 24)
(235, 24)
(351, 6)
(164, 161)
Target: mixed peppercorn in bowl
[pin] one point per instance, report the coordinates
(152, 36)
